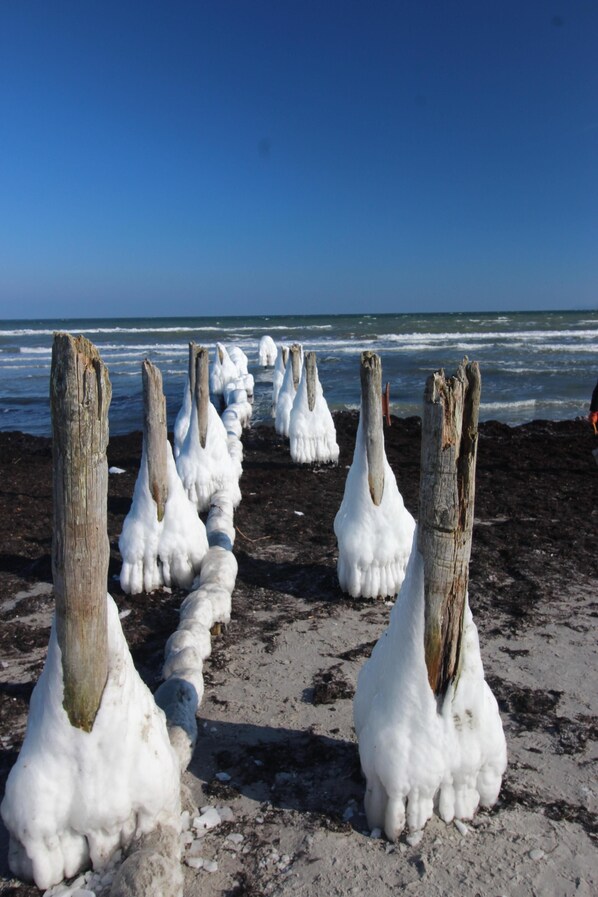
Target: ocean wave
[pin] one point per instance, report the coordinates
(506, 335)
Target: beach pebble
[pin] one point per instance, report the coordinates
(195, 862)
(210, 866)
(536, 854)
(207, 820)
(226, 814)
(235, 837)
(115, 470)
(223, 777)
(461, 827)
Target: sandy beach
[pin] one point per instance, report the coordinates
(276, 741)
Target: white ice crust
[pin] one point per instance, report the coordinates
(75, 797)
(374, 542)
(181, 424)
(267, 352)
(210, 469)
(239, 359)
(416, 756)
(284, 402)
(165, 552)
(222, 372)
(312, 433)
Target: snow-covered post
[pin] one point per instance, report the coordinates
(155, 434)
(371, 411)
(201, 391)
(448, 459)
(80, 393)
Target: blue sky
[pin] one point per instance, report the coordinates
(253, 157)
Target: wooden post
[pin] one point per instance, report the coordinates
(202, 392)
(285, 355)
(371, 417)
(155, 435)
(310, 376)
(193, 348)
(296, 363)
(446, 505)
(80, 394)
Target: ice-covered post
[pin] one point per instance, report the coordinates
(295, 352)
(155, 434)
(448, 458)
(201, 391)
(80, 393)
(371, 412)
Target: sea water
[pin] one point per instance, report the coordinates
(533, 364)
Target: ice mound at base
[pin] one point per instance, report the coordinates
(204, 471)
(267, 352)
(417, 756)
(312, 434)
(374, 541)
(73, 797)
(164, 552)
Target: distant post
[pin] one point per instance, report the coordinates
(80, 394)
(155, 435)
(446, 507)
(201, 394)
(310, 376)
(371, 418)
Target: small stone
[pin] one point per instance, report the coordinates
(226, 814)
(536, 854)
(235, 837)
(207, 820)
(210, 866)
(195, 848)
(195, 862)
(124, 613)
(376, 833)
(223, 777)
(461, 827)
(259, 820)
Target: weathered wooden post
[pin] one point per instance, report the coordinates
(80, 393)
(285, 356)
(155, 435)
(310, 376)
(371, 417)
(201, 392)
(193, 350)
(447, 489)
(295, 351)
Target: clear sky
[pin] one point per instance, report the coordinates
(248, 157)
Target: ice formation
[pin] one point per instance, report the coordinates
(165, 552)
(417, 753)
(278, 376)
(267, 352)
(206, 470)
(239, 359)
(374, 541)
(285, 399)
(312, 434)
(223, 370)
(73, 797)
(181, 424)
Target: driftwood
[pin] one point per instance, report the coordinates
(310, 376)
(201, 394)
(80, 394)
(446, 505)
(295, 352)
(155, 435)
(371, 419)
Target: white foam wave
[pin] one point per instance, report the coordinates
(506, 335)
